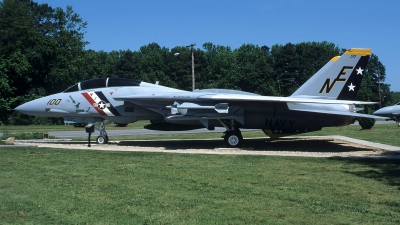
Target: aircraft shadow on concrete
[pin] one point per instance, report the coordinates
(259, 144)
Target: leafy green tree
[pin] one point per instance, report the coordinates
(126, 64)
(285, 65)
(5, 92)
(109, 61)
(179, 62)
(68, 35)
(151, 64)
(220, 69)
(41, 48)
(254, 66)
(15, 68)
(92, 65)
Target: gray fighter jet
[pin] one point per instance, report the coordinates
(325, 100)
(393, 112)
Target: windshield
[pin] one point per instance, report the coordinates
(102, 83)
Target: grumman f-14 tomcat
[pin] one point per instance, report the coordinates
(327, 99)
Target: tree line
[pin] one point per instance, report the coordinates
(42, 52)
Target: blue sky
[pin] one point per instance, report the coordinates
(130, 24)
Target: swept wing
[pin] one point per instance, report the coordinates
(231, 98)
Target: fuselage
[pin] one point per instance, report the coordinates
(89, 103)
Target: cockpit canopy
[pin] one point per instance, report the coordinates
(102, 83)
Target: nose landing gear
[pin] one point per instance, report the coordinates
(103, 137)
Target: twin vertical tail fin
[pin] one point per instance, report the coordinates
(339, 79)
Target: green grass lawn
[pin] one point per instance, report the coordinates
(54, 186)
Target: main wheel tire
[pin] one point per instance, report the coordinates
(102, 140)
(233, 139)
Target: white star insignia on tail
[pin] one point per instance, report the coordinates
(359, 71)
(351, 87)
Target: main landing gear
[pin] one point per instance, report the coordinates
(103, 137)
(233, 137)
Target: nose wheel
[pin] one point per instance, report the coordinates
(103, 137)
